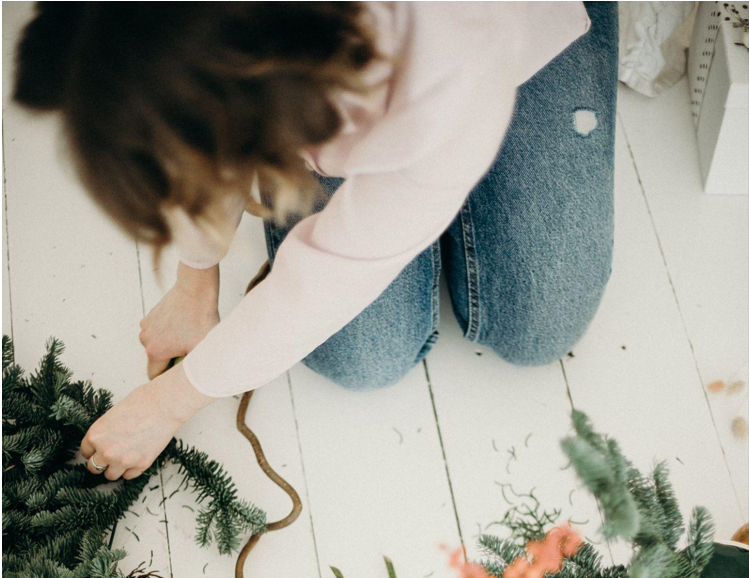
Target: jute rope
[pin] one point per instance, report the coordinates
(296, 508)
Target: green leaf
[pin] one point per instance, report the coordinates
(390, 567)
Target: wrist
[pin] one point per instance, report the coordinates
(198, 282)
(177, 397)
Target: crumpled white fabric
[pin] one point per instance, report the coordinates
(653, 37)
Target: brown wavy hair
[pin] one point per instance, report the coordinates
(172, 105)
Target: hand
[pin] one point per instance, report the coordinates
(182, 318)
(130, 436)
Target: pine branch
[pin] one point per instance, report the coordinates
(226, 517)
(586, 562)
(656, 561)
(55, 514)
(694, 558)
(641, 509)
(641, 488)
(598, 470)
(672, 523)
(8, 353)
(501, 551)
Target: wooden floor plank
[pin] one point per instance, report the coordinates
(213, 431)
(634, 374)
(705, 242)
(375, 476)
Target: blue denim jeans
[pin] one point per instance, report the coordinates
(527, 258)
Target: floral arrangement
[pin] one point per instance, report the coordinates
(638, 509)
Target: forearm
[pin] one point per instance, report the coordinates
(175, 396)
(202, 283)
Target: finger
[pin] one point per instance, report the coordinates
(93, 460)
(87, 450)
(142, 337)
(156, 367)
(142, 323)
(131, 473)
(113, 472)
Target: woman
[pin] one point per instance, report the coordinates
(400, 109)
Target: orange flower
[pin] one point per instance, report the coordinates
(546, 556)
(522, 568)
(570, 541)
(465, 569)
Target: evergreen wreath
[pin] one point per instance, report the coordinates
(56, 514)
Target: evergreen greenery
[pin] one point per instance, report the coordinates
(56, 514)
(639, 509)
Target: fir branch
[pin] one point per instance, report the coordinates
(8, 353)
(60, 546)
(600, 466)
(494, 568)
(586, 562)
(19, 442)
(205, 520)
(55, 514)
(618, 571)
(48, 445)
(694, 558)
(501, 551)
(656, 561)
(641, 488)
(641, 509)
(226, 517)
(672, 523)
(68, 411)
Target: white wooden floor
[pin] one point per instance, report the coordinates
(400, 471)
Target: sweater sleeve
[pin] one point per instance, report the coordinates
(335, 263)
(201, 246)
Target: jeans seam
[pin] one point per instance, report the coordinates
(472, 278)
(431, 338)
(436, 272)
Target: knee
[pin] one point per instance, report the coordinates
(359, 372)
(537, 337)
(531, 352)
(384, 342)
(363, 366)
(538, 321)
(540, 331)
(357, 378)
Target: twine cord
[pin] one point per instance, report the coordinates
(242, 427)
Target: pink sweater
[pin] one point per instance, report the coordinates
(411, 152)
